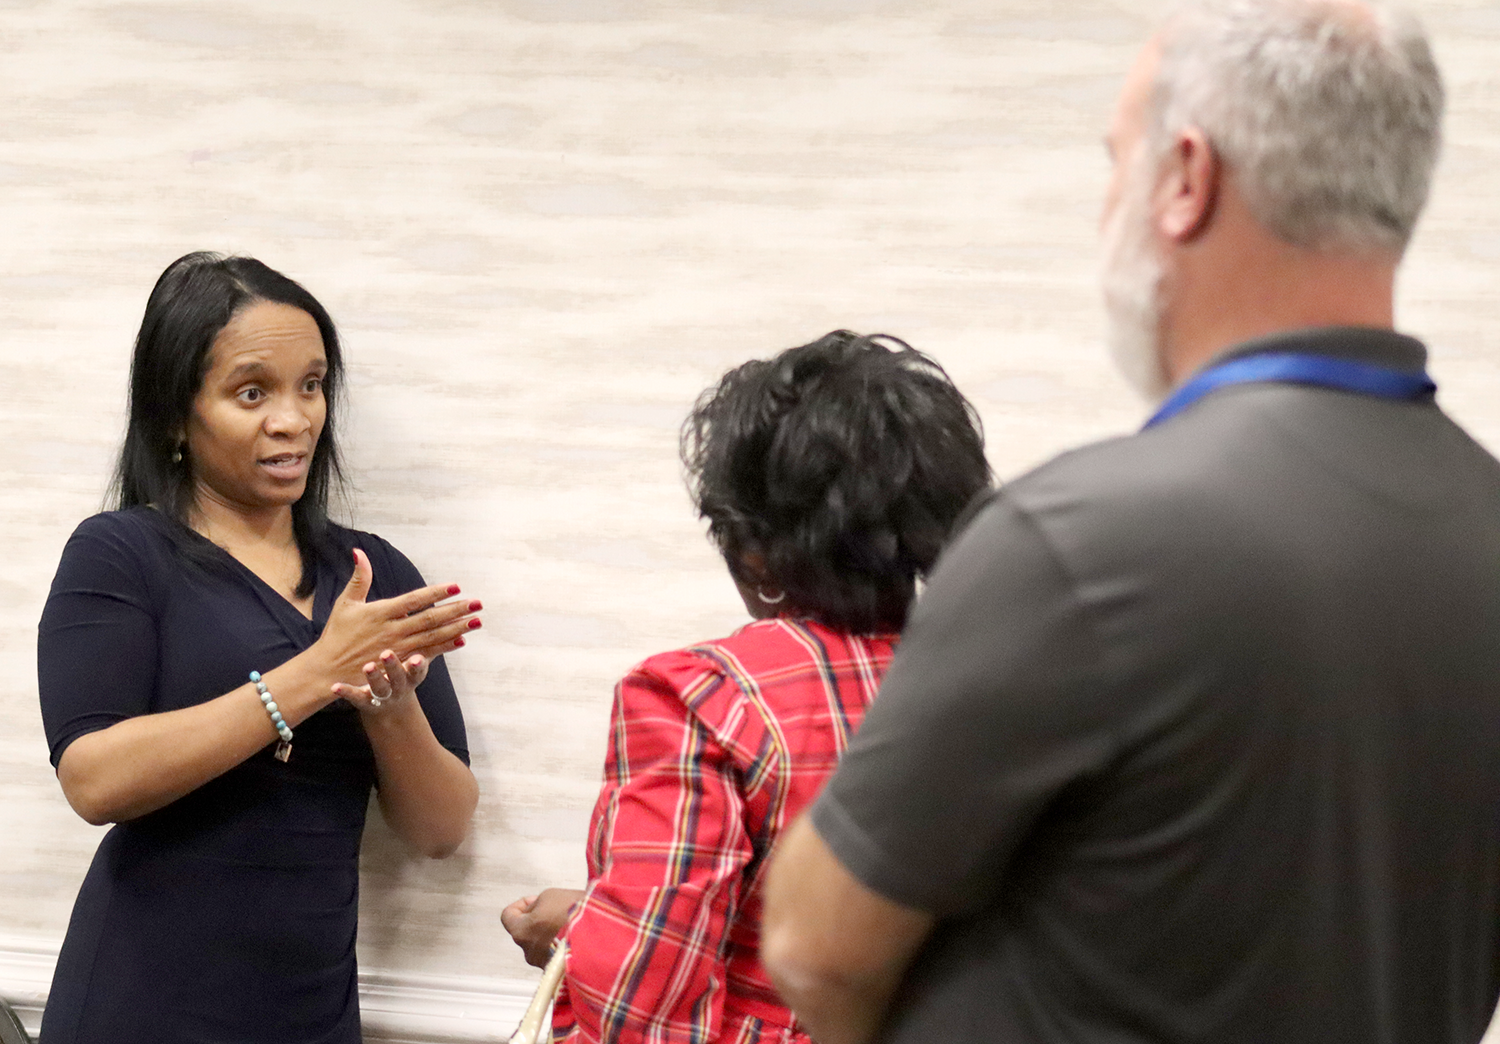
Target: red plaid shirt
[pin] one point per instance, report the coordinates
(713, 751)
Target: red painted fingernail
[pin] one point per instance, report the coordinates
(475, 606)
(458, 643)
(453, 589)
(475, 625)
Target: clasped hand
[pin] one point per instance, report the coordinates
(390, 681)
(535, 921)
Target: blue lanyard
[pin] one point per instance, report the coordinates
(1292, 368)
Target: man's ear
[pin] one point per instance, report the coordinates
(1188, 192)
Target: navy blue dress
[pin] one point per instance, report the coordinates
(229, 915)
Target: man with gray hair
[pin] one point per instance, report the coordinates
(1195, 735)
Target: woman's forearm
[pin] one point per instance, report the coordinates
(426, 793)
(145, 763)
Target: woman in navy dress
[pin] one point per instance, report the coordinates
(225, 674)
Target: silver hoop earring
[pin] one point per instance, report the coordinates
(760, 593)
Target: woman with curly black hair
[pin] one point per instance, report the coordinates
(830, 477)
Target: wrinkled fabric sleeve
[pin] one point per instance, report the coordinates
(395, 575)
(97, 646)
(992, 707)
(668, 848)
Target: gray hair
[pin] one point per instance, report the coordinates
(1328, 112)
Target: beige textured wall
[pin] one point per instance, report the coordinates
(544, 226)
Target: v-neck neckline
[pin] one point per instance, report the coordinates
(288, 615)
(283, 599)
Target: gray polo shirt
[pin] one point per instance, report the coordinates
(1195, 735)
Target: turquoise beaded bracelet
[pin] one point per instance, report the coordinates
(284, 748)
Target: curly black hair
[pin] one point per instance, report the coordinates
(842, 466)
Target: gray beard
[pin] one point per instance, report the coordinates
(1131, 278)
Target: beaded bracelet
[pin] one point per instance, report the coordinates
(284, 748)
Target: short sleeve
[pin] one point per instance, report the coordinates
(97, 641)
(991, 708)
(395, 575)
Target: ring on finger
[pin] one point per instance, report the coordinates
(376, 701)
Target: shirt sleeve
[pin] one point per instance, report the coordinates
(97, 642)
(394, 574)
(668, 849)
(992, 707)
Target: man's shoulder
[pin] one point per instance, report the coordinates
(1172, 474)
(1182, 497)
(1250, 475)
(1147, 477)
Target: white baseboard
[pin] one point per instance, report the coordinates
(396, 1008)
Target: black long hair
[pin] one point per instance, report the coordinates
(192, 301)
(843, 465)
